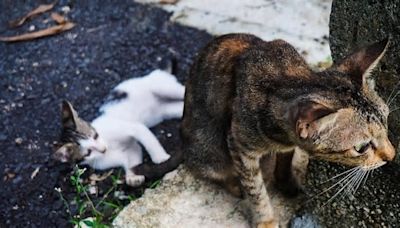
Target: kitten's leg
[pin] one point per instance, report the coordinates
(247, 164)
(132, 179)
(173, 91)
(173, 110)
(150, 143)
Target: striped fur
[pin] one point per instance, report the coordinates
(248, 102)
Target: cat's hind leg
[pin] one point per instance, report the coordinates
(170, 91)
(153, 147)
(132, 179)
(173, 110)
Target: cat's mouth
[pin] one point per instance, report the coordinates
(373, 166)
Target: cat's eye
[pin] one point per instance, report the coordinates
(362, 147)
(96, 136)
(89, 151)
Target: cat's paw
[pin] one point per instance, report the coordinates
(134, 180)
(161, 158)
(269, 224)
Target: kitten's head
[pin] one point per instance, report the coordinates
(80, 139)
(347, 121)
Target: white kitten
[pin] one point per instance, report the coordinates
(112, 139)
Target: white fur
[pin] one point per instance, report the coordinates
(125, 123)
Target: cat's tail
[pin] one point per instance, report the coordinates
(170, 64)
(155, 171)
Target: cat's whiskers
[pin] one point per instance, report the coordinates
(392, 98)
(395, 109)
(366, 177)
(350, 174)
(351, 188)
(345, 186)
(389, 99)
(340, 174)
(354, 182)
(359, 181)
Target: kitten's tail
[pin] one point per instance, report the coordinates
(170, 64)
(155, 171)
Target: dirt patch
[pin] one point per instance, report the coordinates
(111, 42)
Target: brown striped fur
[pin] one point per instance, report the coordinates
(249, 104)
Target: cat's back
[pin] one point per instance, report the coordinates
(232, 60)
(210, 86)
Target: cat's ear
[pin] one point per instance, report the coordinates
(359, 64)
(63, 154)
(69, 116)
(311, 118)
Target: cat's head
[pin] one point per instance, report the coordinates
(80, 139)
(346, 123)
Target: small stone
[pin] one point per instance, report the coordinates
(18, 141)
(35, 64)
(93, 190)
(169, 135)
(65, 9)
(3, 137)
(31, 28)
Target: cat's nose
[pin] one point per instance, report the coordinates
(386, 152)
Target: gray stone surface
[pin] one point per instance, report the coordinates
(184, 201)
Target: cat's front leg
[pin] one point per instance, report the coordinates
(247, 165)
(132, 179)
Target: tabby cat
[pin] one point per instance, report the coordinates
(247, 98)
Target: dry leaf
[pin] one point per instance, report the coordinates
(39, 10)
(41, 33)
(58, 18)
(168, 1)
(95, 177)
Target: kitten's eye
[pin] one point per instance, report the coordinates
(96, 135)
(362, 147)
(89, 151)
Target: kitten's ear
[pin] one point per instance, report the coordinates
(63, 154)
(311, 117)
(68, 115)
(359, 64)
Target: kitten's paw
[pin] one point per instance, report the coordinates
(161, 158)
(269, 224)
(134, 180)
